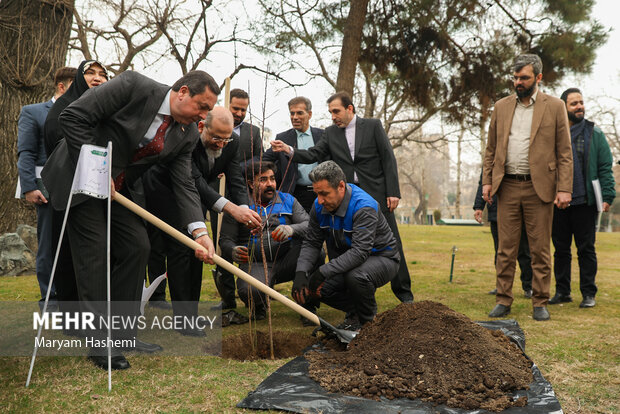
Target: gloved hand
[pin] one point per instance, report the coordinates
(240, 254)
(300, 287)
(282, 232)
(315, 283)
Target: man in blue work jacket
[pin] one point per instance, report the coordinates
(362, 250)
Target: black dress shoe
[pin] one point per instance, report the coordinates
(527, 294)
(587, 302)
(160, 304)
(499, 311)
(233, 317)
(560, 298)
(198, 333)
(493, 292)
(99, 357)
(541, 313)
(141, 346)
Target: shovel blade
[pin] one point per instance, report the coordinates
(342, 334)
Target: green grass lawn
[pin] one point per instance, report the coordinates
(578, 350)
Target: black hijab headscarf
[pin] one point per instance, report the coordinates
(51, 130)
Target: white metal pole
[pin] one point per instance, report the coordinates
(49, 288)
(108, 264)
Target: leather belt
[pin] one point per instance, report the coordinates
(519, 177)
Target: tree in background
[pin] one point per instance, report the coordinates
(128, 34)
(33, 44)
(602, 110)
(432, 60)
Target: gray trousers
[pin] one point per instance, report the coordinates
(354, 291)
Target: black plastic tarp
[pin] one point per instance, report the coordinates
(291, 389)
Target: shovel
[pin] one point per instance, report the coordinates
(343, 335)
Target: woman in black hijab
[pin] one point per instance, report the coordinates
(90, 73)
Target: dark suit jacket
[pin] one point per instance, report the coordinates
(250, 145)
(121, 111)
(287, 182)
(374, 162)
(550, 152)
(157, 182)
(30, 146)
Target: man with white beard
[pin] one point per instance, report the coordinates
(213, 155)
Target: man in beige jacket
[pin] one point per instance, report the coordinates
(528, 164)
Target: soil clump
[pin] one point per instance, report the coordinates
(427, 351)
(245, 348)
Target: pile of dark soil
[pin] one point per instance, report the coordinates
(246, 348)
(427, 351)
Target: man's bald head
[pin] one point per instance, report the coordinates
(217, 130)
(220, 115)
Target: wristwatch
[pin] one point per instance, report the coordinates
(202, 233)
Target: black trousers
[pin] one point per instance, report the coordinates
(64, 277)
(45, 254)
(523, 256)
(184, 271)
(401, 284)
(224, 280)
(157, 262)
(129, 251)
(578, 222)
(354, 291)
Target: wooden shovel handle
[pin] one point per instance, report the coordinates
(168, 229)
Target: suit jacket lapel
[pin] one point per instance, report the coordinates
(359, 128)
(341, 139)
(510, 113)
(316, 136)
(149, 112)
(174, 137)
(293, 138)
(539, 110)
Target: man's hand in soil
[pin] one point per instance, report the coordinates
(300, 287)
(240, 254)
(315, 283)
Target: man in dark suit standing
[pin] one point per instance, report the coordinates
(148, 123)
(362, 149)
(31, 158)
(213, 155)
(250, 142)
(293, 177)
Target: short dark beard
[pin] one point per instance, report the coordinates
(574, 118)
(527, 92)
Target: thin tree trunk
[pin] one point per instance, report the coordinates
(33, 43)
(457, 204)
(351, 45)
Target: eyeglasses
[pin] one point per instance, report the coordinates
(219, 139)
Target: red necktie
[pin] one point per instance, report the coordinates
(152, 148)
